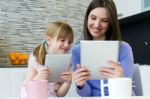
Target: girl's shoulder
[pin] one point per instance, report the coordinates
(32, 61)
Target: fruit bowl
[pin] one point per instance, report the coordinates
(17, 58)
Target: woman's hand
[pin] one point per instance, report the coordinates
(67, 76)
(43, 73)
(81, 75)
(116, 71)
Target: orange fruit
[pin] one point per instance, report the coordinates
(12, 57)
(16, 62)
(17, 58)
(20, 58)
(25, 56)
(17, 55)
(22, 62)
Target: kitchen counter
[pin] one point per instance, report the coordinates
(133, 97)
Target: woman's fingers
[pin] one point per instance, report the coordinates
(81, 75)
(113, 64)
(116, 71)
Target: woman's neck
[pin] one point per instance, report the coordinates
(100, 38)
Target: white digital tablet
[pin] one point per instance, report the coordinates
(94, 54)
(57, 63)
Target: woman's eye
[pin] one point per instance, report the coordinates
(93, 18)
(105, 21)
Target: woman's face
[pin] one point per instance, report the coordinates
(59, 46)
(98, 23)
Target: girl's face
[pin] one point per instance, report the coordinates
(98, 23)
(59, 46)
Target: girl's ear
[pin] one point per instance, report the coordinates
(48, 39)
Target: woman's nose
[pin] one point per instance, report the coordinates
(97, 23)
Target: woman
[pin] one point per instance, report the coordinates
(101, 23)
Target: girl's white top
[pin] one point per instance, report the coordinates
(32, 62)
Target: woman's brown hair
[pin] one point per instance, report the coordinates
(113, 32)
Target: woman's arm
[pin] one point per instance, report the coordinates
(80, 74)
(126, 59)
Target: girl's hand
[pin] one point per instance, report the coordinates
(67, 76)
(116, 71)
(43, 73)
(81, 75)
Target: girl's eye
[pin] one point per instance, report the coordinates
(62, 40)
(70, 42)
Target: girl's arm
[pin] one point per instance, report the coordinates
(64, 88)
(36, 71)
(41, 74)
(31, 73)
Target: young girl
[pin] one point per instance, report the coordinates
(58, 40)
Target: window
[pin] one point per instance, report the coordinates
(145, 5)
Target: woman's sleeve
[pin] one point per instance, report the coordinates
(126, 59)
(86, 90)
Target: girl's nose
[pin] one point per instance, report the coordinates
(66, 44)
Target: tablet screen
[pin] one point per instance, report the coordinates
(57, 63)
(94, 54)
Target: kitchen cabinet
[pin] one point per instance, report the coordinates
(135, 30)
(127, 8)
(10, 81)
(12, 78)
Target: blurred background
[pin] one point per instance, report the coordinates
(23, 22)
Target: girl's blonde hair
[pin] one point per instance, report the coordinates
(55, 29)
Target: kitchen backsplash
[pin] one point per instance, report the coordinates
(23, 22)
